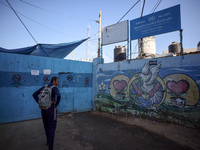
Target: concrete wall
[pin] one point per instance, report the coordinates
(165, 88)
(17, 85)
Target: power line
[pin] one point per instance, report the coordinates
(156, 6)
(128, 11)
(94, 34)
(55, 12)
(109, 56)
(94, 40)
(40, 23)
(142, 9)
(105, 21)
(21, 22)
(47, 26)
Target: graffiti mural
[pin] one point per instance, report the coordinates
(182, 92)
(151, 90)
(146, 89)
(118, 86)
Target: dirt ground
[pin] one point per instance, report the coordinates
(97, 131)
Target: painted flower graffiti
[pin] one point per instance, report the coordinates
(102, 87)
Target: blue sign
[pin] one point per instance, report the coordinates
(163, 21)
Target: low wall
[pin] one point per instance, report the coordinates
(166, 88)
(22, 75)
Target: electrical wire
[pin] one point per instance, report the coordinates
(105, 21)
(56, 12)
(21, 21)
(108, 55)
(156, 6)
(128, 11)
(40, 23)
(48, 27)
(142, 9)
(94, 34)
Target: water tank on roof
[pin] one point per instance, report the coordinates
(149, 45)
(198, 46)
(174, 47)
(119, 53)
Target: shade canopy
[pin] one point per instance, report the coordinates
(46, 50)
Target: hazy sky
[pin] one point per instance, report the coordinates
(60, 21)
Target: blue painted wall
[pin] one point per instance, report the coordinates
(17, 85)
(166, 88)
(120, 87)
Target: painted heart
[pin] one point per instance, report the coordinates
(119, 85)
(178, 87)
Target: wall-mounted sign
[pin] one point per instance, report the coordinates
(115, 33)
(35, 72)
(163, 21)
(46, 71)
(71, 79)
(16, 78)
(46, 78)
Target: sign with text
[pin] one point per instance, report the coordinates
(115, 33)
(163, 21)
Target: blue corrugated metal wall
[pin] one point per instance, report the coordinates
(17, 85)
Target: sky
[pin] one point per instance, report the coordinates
(62, 21)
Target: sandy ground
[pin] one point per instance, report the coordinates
(97, 131)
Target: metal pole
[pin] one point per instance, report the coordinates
(181, 41)
(88, 42)
(130, 50)
(99, 38)
(128, 55)
(140, 41)
(101, 48)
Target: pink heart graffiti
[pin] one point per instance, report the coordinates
(178, 87)
(119, 85)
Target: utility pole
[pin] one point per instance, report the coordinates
(88, 42)
(99, 38)
(140, 41)
(72, 55)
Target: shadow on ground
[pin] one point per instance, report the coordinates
(97, 131)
